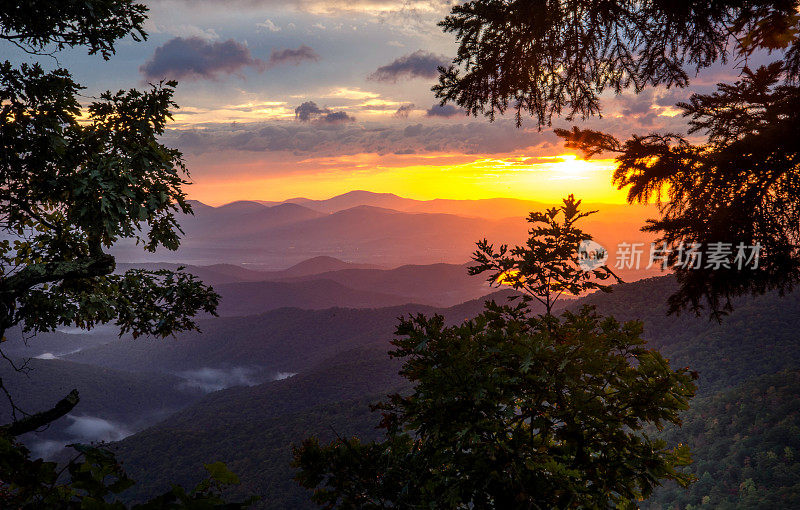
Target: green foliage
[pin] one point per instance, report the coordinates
(514, 410)
(745, 442)
(36, 25)
(738, 187)
(74, 186)
(73, 183)
(511, 412)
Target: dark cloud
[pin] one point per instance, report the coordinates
(290, 56)
(403, 111)
(447, 110)
(420, 64)
(309, 111)
(194, 58)
(336, 118)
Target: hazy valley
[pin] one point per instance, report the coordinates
(302, 351)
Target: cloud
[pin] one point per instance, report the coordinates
(194, 58)
(403, 111)
(209, 379)
(336, 118)
(46, 449)
(92, 428)
(446, 111)
(420, 64)
(183, 30)
(290, 56)
(309, 111)
(269, 25)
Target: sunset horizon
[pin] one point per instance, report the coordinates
(536, 179)
(373, 254)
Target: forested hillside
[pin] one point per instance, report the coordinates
(759, 337)
(252, 428)
(746, 446)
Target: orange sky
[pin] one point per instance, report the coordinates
(455, 176)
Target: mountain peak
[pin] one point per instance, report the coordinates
(358, 193)
(242, 206)
(322, 264)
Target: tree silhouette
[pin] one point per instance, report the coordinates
(738, 187)
(73, 181)
(515, 410)
(549, 265)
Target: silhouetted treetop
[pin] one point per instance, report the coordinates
(740, 187)
(549, 265)
(554, 58)
(514, 410)
(33, 25)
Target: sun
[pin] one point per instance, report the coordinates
(570, 167)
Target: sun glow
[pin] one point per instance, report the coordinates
(421, 176)
(569, 167)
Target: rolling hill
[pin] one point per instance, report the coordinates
(113, 403)
(368, 228)
(490, 208)
(336, 379)
(250, 298)
(362, 234)
(432, 284)
(286, 340)
(217, 274)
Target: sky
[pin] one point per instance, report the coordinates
(287, 98)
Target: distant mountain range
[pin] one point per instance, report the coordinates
(325, 282)
(216, 274)
(490, 208)
(370, 228)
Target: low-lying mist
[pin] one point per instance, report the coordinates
(208, 379)
(83, 429)
(92, 428)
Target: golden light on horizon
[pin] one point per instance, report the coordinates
(569, 166)
(424, 177)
